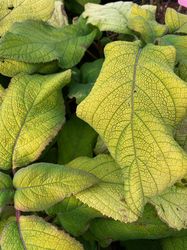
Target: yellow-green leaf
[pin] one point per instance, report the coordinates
(42, 185)
(107, 196)
(171, 206)
(31, 114)
(135, 105)
(18, 10)
(175, 243)
(59, 17)
(33, 233)
(2, 93)
(176, 21)
(108, 17)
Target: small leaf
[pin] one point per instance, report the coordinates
(30, 101)
(73, 215)
(175, 243)
(77, 138)
(13, 11)
(6, 189)
(183, 70)
(179, 42)
(107, 196)
(135, 104)
(59, 17)
(34, 233)
(109, 17)
(176, 21)
(42, 185)
(45, 43)
(172, 207)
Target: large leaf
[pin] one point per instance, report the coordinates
(175, 243)
(73, 215)
(109, 17)
(76, 139)
(107, 196)
(172, 206)
(2, 93)
(44, 43)
(175, 21)
(41, 185)
(134, 106)
(31, 115)
(6, 189)
(12, 11)
(34, 233)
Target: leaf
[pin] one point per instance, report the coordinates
(172, 206)
(6, 189)
(143, 245)
(100, 147)
(30, 101)
(148, 226)
(107, 196)
(183, 70)
(181, 134)
(79, 91)
(134, 106)
(2, 93)
(142, 20)
(73, 215)
(176, 21)
(42, 185)
(12, 11)
(76, 138)
(45, 43)
(83, 2)
(179, 42)
(109, 17)
(59, 17)
(178, 243)
(34, 233)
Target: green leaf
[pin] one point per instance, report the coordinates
(30, 101)
(44, 43)
(13, 11)
(42, 185)
(179, 42)
(176, 21)
(83, 2)
(109, 17)
(178, 243)
(172, 206)
(134, 106)
(100, 147)
(147, 227)
(107, 196)
(142, 20)
(6, 189)
(143, 245)
(76, 138)
(181, 134)
(73, 215)
(34, 233)
(183, 70)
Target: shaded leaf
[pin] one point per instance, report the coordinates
(76, 139)
(34, 233)
(59, 17)
(178, 243)
(42, 185)
(134, 106)
(30, 100)
(6, 189)
(176, 21)
(45, 43)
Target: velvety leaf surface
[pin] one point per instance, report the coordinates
(134, 106)
(107, 196)
(179, 243)
(13, 11)
(41, 185)
(76, 139)
(6, 189)
(176, 21)
(73, 215)
(30, 100)
(33, 233)
(109, 17)
(172, 206)
(45, 43)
